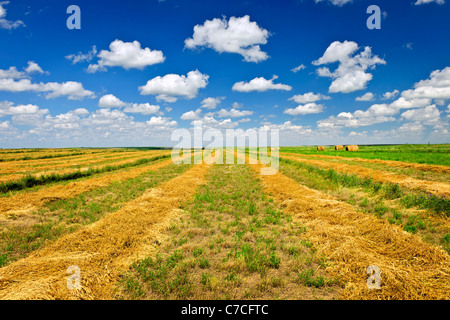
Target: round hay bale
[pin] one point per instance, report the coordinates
(351, 148)
(337, 148)
(320, 148)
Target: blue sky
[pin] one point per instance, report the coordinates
(138, 70)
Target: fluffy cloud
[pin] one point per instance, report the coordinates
(390, 95)
(286, 126)
(12, 80)
(260, 84)
(7, 24)
(191, 115)
(429, 115)
(81, 57)
(403, 103)
(127, 55)
(417, 100)
(437, 86)
(369, 96)
(351, 73)
(13, 73)
(111, 101)
(308, 108)
(238, 35)
(73, 90)
(340, 3)
(411, 128)
(211, 103)
(142, 108)
(211, 122)
(309, 97)
(233, 113)
(79, 127)
(161, 122)
(33, 67)
(22, 114)
(419, 2)
(377, 113)
(171, 86)
(106, 117)
(7, 108)
(298, 68)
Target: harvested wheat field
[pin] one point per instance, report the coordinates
(352, 241)
(417, 166)
(140, 226)
(437, 188)
(103, 249)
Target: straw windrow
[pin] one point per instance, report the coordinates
(436, 188)
(352, 241)
(23, 203)
(100, 250)
(392, 163)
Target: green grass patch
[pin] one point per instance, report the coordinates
(241, 245)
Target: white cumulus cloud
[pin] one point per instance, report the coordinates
(309, 97)
(340, 3)
(233, 113)
(171, 86)
(260, 84)
(110, 101)
(350, 75)
(8, 24)
(211, 103)
(298, 68)
(237, 35)
(73, 90)
(369, 96)
(429, 115)
(127, 55)
(308, 108)
(419, 2)
(390, 95)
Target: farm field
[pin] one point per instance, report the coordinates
(138, 226)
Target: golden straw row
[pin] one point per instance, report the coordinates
(68, 169)
(45, 152)
(352, 241)
(101, 251)
(31, 165)
(23, 203)
(392, 163)
(434, 187)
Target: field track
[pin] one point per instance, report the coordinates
(434, 187)
(352, 241)
(103, 249)
(23, 203)
(400, 164)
